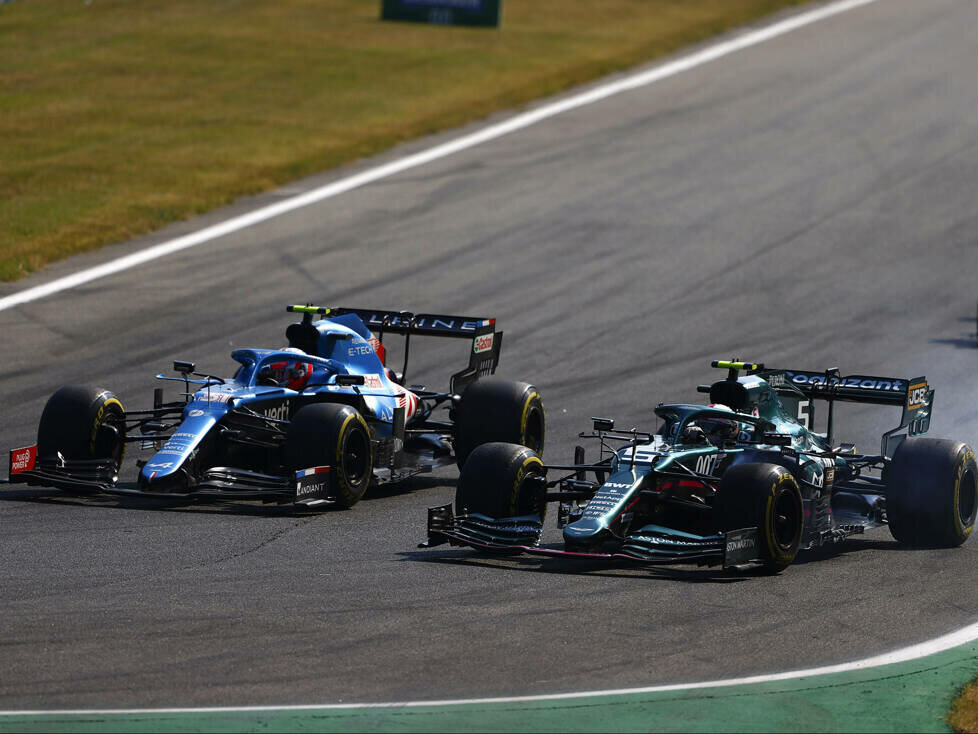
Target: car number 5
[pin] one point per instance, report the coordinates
(804, 415)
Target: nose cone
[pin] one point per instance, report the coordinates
(170, 458)
(585, 530)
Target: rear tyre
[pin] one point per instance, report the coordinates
(932, 492)
(501, 480)
(82, 423)
(329, 434)
(764, 496)
(498, 411)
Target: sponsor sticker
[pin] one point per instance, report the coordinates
(863, 383)
(195, 413)
(372, 381)
(916, 396)
(22, 460)
(776, 380)
(740, 546)
(279, 412)
(483, 343)
(358, 350)
(312, 483)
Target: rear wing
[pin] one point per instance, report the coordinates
(914, 395)
(486, 341)
(830, 385)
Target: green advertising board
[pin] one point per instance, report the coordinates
(443, 12)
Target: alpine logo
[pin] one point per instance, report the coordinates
(441, 323)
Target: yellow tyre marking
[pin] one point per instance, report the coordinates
(98, 422)
(963, 532)
(526, 412)
(340, 474)
(774, 552)
(514, 493)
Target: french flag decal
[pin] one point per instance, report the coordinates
(309, 472)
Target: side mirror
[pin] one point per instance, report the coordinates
(777, 439)
(603, 424)
(184, 368)
(347, 380)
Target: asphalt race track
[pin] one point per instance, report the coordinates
(808, 202)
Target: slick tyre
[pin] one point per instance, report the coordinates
(82, 423)
(328, 434)
(501, 480)
(498, 410)
(764, 496)
(931, 492)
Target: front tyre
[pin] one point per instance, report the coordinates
(932, 493)
(767, 497)
(498, 411)
(501, 480)
(83, 423)
(329, 434)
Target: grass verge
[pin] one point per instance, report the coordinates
(117, 117)
(963, 717)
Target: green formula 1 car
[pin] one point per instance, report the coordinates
(742, 482)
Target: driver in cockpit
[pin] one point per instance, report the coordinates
(290, 373)
(711, 429)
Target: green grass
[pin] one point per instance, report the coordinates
(119, 116)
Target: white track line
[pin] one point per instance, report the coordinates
(904, 655)
(710, 53)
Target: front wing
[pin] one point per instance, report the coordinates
(310, 487)
(659, 546)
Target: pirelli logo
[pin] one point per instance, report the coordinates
(917, 396)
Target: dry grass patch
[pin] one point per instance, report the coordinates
(964, 712)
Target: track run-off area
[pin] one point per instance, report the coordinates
(802, 197)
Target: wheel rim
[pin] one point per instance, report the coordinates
(533, 433)
(786, 519)
(535, 504)
(356, 457)
(108, 443)
(967, 498)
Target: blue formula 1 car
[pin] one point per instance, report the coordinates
(314, 423)
(744, 481)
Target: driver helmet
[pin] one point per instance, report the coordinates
(291, 373)
(715, 429)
